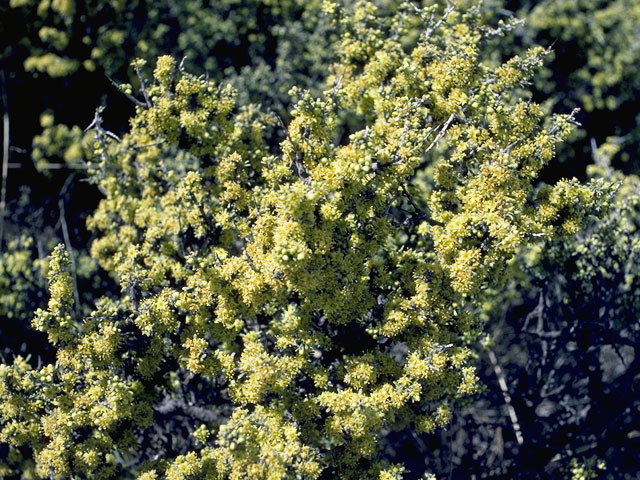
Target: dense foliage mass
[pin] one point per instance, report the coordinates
(595, 67)
(295, 256)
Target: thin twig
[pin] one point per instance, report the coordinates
(300, 170)
(432, 29)
(508, 148)
(505, 27)
(61, 166)
(112, 135)
(143, 89)
(148, 145)
(5, 154)
(246, 254)
(571, 118)
(600, 160)
(130, 97)
(41, 257)
(97, 124)
(443, 130)
(507, 398)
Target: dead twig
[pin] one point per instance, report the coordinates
(507, 398)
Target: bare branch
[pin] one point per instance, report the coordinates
(143, 89)
(503, 27)
(443, 130)
(421, 13)
(62, 166)
(148, 145)
(507, 398)
(5, 154)
(508, 148)
(112, 135)
(300, 170)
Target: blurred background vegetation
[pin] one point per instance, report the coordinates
(560, 362)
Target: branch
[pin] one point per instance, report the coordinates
(571, 119)
(67, 241)
(443, 130)
(429, 31)
(142, 87)
(169, 406)
(246, 253)
(300, 170)
(148, 145)
(60, 166)
(507, 398)
(421, 213)
(181, 66)
(97, 124)
(5, 154)
(130, 97)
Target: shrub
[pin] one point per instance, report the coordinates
(559, 364)
(595, 50)
(286, 302)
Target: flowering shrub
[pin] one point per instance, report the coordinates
(289, 293)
